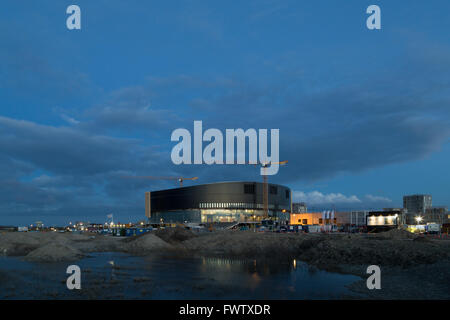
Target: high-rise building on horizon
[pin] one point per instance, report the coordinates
(437, 215)
(299, 207)
(417, 203)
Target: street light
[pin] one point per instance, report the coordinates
(418, 219)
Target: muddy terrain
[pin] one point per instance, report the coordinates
(403, 257)
(326, 251)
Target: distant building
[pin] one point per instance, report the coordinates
(436, 215)
(342, 218)
(81, 225)
(383, 220)
(416, 206)
(8, 228)
(221, 202)
(306, 218)
(39, 225)
(417, 203)
(358, 218)
(394, 209)
(299, 207)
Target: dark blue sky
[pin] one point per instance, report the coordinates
(363, 115)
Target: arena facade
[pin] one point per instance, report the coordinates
(218, 202)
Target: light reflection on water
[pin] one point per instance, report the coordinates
(120, 276)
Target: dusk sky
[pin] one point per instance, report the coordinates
(363, 114)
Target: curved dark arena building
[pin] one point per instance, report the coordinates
(218, 202)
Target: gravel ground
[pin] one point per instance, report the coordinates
(431, 281)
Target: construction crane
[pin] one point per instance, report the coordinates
(264, 166)
(179, 179)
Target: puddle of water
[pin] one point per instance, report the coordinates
(121, 276)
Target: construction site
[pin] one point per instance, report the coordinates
(255, 221)
(399, 253)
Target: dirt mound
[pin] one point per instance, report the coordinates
(422, 239)
(175, 235)
(97, 243)
(390, 248)
(324, 251)
(54, 252)
(396, 234)
(22, 243)
(248, 244)
(144, 244)
(329, 254)
(19, 244)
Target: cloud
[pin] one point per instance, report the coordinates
(51, 171)
(63, 150)
(128, 110)
(69, 119)
(348, 127)
(317, 198)
(371, 198)
(328, 126)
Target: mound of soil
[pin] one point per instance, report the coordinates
(396, 234)
(175, 235)
(324, 251)
(328, 251)
(54, 252)
(19, 244)
(144, 244)
(248, 244)
(329, 254)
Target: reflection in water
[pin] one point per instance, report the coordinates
(120, 276)
(248, 266)
(111, 263)
(296, 277)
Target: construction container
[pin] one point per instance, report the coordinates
(295, 228)
(129, 232)
(312, 228)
